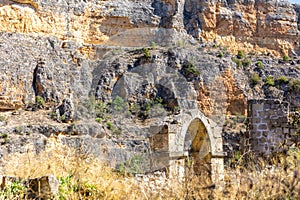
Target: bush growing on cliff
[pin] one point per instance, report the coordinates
(119, 105)
(147, 54)
(282, 80)
(260, 65)
(238, 62)
(189, 70)
(220, 54)
(39, 102)
(295, 84)
(13, 190)
(246, 62)
(286, 58)
(255, 79)
(270, 81)
(240, 54)
(100, 109)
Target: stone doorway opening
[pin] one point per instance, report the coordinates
(198, 146)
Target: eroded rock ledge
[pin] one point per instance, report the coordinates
(256, 25)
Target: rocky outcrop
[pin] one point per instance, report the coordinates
(110, 69)
(262, 26)
(249, 25)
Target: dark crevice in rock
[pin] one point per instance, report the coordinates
(166, 11)
(297, 9)
(190, 19)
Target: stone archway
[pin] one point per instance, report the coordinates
(198, 144)
(197, 136)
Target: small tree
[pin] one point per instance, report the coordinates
(119, 105)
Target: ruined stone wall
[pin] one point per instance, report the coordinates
(269, 127)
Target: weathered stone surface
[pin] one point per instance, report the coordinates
(270, 129)
(65, 112)
(248, 25)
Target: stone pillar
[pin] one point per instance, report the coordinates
(268, 122)
(217, 170)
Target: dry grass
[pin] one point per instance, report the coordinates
(84, 177)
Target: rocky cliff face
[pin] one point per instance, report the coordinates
(263, 26)
(252, 25)
(78, 56)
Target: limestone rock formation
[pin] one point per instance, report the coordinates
(109, 70)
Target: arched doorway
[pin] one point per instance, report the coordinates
(198, 144)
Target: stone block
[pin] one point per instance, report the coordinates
(278, 131)
(256, 120)
(267, 106)
(262, 140)
(257, 107)
(42, 188)
(265, 133)
(262, 127)
(159, 142)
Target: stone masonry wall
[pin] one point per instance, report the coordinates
(268, 125)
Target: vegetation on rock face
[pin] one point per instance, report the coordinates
(286, 58)
(39, 102)
(119, 105)
(238, 62)
(13, 190)
(220, 54)
(255, 79)
(189, 70)
(282, 80)
(240, 54)
(147, 54)
(295, 84)
(270, 81)
(260, 65)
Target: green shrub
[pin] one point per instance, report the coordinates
(282, 80)
(3, 135)
(270, 81)
(295, 84)
(286, 58)
(99, 120)
(153, 44)
(260, 65)
(13, 190)
(220, 54)
(255, 79)
(67, 187)
(246, 62)
(100, 109)
(109, 125)
(239, 63)
(147, 54)
(39, 101)
(119, 105)
(190, 70)
(240, 54)
(62, 118)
